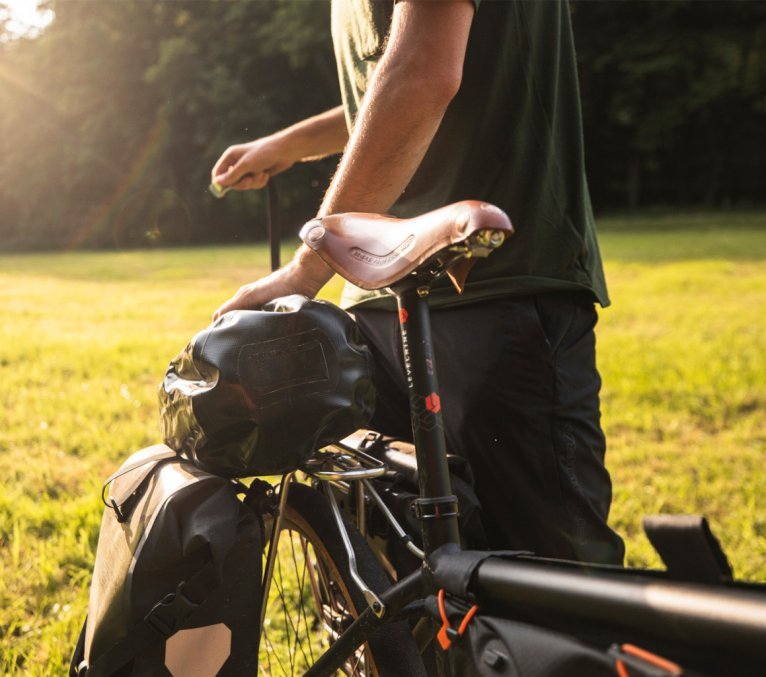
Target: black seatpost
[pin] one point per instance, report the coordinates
(437, 507)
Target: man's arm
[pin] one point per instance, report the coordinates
(414, 82)
(416, 79)
(250, 165)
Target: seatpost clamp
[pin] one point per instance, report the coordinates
(439, 507)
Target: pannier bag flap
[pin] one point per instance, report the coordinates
(257, 391)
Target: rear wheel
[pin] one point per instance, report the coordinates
(313, 599)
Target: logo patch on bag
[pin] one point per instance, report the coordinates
(198, 651)
(291, 366)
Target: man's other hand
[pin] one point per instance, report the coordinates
(306, 274)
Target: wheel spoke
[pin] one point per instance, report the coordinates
(302, 607)
(308, 605)
(288, 624)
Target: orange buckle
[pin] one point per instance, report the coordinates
(447, 634)
(630, 650)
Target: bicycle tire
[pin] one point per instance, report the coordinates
(312, 570)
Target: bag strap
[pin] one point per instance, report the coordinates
(155, 456)
(453, 569)
(78, 657)
(688, 548)
(161, 453)
(165, 618)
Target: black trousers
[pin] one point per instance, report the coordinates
(520, 400)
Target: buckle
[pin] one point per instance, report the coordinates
(170, 612)
(119, 514)
(371, 440)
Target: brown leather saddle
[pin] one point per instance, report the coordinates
(374, 251)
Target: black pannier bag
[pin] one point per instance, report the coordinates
(259, 390)
(176, 586)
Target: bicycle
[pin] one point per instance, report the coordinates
(322, 530)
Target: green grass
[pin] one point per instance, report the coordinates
(681, 354)
(86, 337)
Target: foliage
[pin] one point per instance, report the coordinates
(674, 98)
(119, 110)
(112, 118)
(89, 335)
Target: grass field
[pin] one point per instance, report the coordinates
(85, 339)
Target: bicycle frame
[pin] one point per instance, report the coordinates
(639, 603)
(437, 506)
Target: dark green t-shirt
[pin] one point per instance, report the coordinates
(512, 136)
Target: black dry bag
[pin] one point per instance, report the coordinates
(259, 390)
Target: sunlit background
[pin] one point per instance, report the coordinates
(113, 113)
(26, 18)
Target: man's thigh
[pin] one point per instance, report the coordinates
(519, 393)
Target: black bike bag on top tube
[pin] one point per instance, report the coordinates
(490, 646)
(497, 647)
(482, 645)
(651, 627)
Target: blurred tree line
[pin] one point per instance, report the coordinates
(111, 119)
(674, 101)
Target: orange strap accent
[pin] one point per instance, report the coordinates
(652, 659)
(622, 671)
(444, 639)
(442, 610)
(467, 619)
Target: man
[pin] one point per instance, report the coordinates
(445, 101)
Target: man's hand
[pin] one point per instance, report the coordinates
(250, 165)
(306, 274)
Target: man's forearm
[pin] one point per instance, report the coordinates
(316, 137)
(402, 108)
(392, 135)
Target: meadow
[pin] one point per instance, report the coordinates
(85, 339)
